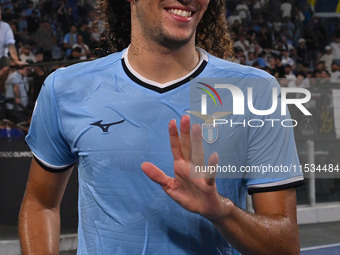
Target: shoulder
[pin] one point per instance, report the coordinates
(240, 75)
(237, 70)
(12, 80)
(83, 75)
(13, 76)
(4, 26)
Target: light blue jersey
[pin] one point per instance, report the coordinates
(109, 119)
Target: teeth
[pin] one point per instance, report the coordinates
(180, 12)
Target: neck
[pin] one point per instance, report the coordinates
(161, 64)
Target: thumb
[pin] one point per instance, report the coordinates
(156, 174)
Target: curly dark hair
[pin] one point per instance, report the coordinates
(212, 32)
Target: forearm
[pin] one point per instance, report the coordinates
(13, 53)
(258, 234)
(39, 228)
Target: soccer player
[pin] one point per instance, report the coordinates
(116, 115)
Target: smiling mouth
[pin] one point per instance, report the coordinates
(181, 13)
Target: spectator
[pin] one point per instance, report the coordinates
(288, 30)
(7, 43)
(238, 53)
(243, 11)
(33, 22)
(267, 69)
(242, 60)
(64, 16)
(234, 17)
(259, 6)
(8, 15)
(277, 25)
(286, 59)
(298, 19)
(320, 66)
(17, 87)
(39, 56)
(75, 53)
(242, 43)
(335, 73)
(335, 45)
(327, 58)
(314, 35)
(268, 22)
(45, 39)
(251, 36)
(306, 70)
(265, 37)
(289, 75)
(251, 58)
(274, 7)
(272, 64)
(261, 59)
(85, 51)
(279, 68)
(300, 54)
(38, 74)
(286, 9)
(84, 31)
(299, 82)
(322, 80)
(70, 39)
(256, 65)
(29, 10)
(16, 6)
(26, 54)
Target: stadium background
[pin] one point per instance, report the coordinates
(298, 41)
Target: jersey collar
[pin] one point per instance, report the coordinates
(163, 87)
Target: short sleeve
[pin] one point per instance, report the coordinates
(45, 137)
(13, 79)
(272, 158)
(66, 38)
(9, 37)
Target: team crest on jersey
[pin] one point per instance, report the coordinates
(209, 131)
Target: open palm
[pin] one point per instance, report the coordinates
(198, 194)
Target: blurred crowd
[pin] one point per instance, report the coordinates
(286, 39)
(283, 37)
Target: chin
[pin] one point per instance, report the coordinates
(174, 42)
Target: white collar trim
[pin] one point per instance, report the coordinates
(203, 57)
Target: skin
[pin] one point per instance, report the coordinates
(270, 230)
(14, 55)
(39, 218)
(150, 54)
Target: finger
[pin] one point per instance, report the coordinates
(185, 136)
(213, 161)
(197, 153)
(175, 142)
(157, 175)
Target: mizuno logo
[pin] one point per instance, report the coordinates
(105, 127)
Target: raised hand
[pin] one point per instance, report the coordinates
(198, 195)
